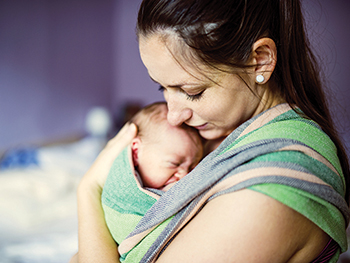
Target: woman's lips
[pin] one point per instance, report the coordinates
(201, 127)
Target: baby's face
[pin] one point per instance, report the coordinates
(164, 163)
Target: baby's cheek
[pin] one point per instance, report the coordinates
(153, 181)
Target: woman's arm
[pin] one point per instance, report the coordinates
(246, 226)
(95, 242)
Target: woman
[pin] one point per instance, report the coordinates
(274, 190)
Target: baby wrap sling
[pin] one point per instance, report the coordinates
(277, 153)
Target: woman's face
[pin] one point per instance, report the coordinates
(212, 101)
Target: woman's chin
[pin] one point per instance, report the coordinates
(213, 134)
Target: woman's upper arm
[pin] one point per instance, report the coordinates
(246, 226)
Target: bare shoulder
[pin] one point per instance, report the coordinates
(246, 226)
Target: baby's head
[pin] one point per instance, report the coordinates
(163, 154)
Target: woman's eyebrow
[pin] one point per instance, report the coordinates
(170, 86)
(173, 86)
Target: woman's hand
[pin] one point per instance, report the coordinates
(95, 242)
(98, 172)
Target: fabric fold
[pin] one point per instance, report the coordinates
(277, 153)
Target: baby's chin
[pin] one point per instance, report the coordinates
(167, 187)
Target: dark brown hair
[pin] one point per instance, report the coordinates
(222, 32)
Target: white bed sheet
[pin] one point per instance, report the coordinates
(38, 218)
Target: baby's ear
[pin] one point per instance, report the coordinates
(135, 146)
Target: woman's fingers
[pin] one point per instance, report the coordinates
(123, 138)
(99, 170)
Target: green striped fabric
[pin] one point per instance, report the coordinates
(277, 153)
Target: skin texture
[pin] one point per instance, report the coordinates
(167, 156)
(244, 226)
(225, 101)
(229, 223)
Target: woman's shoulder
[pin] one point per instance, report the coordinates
(246, 226)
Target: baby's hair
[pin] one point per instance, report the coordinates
(150, 117)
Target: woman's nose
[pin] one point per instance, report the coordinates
(177, 112)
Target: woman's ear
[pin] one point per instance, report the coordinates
(264, 56)
(135, 147)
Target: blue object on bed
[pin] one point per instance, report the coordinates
(19, 158)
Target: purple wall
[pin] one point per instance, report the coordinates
(55, 63)
(132, 80)
(59, 58)
(329, 28)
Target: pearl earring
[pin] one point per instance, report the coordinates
(260, 78)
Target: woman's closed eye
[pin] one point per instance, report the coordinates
(191, 97)
(194, 97)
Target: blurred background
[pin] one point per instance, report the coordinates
(70, 75)
(59, 59)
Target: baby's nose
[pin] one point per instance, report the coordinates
(180, 173)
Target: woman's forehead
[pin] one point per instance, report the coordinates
(168, 66)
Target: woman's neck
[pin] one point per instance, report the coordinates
(211, 145)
